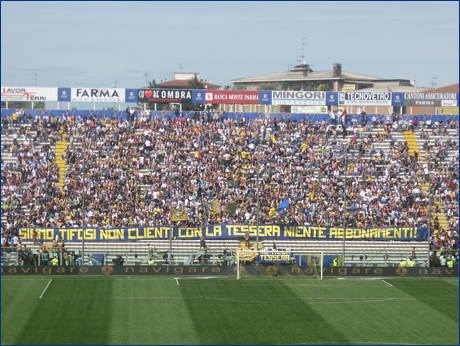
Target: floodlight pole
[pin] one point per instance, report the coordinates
(344, 205)
(429, 221)
(84, 206)
(170, 203)
(257, 207)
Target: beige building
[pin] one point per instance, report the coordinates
(181, 80)
(453, 88)
(303, 78)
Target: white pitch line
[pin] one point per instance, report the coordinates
(177, 281)
(45, 289)
(387, 283)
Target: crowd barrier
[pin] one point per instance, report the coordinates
(230, 115)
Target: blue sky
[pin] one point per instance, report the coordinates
(94, 44)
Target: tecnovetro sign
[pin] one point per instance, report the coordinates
(97, 94)
(29, 94)
(431, 99)
(308, 98)
(365, 98)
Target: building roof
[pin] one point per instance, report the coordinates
(178, 83)
(394, 89)
(298, 75)
(453, 88)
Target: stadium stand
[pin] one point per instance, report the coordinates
(133, 173)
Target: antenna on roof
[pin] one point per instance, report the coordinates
(433, 82)
(180, 67)
(302, 60)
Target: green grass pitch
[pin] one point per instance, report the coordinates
(264, 310)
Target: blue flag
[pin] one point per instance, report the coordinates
(98, 257)
(284, 204)
(283, 215)
(352, 209)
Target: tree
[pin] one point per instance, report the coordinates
(285, 86)
(267, 87)
(194, 83)
(321, 87)
(24, 104)
(152, 84)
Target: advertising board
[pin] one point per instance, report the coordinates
(29, 94)
(431, 99)
(214, 270)
(358, 98)
(97, 95)
(164, 95)
(232, 97)
(310, 98)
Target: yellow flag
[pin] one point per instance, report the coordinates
(178, 214)
(230, 208)
(213, 207)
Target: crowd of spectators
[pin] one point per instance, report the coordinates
(133, 172)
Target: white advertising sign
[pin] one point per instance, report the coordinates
(309, 109)
(449, 103)
(310, 98)
(97, 95)
(28, 94)
(365, 98)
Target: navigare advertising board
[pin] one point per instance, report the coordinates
(164, 95)
(28, 94)
(232, 97)
(97, 95)
(272, 269)
(309, 98)
(360, 98)
(431, 99)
